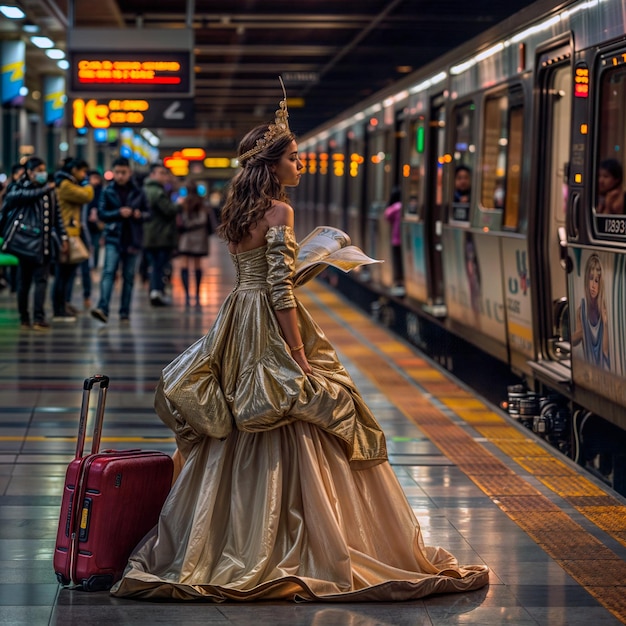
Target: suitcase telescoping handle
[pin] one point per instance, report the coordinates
(103, 381)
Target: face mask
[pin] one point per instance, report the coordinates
(41, 177)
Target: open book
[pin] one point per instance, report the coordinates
(326, 245)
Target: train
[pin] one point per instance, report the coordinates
(529, 265)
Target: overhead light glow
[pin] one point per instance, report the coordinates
(42, 42)
(30, 28)
(55, 53)
(63, 64)
(12, 12)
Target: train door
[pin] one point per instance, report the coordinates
(413, 251)
(433, 218)
(378, 183)
(356, 185)
(554, 119)
(323, 184)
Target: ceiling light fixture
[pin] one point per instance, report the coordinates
(42, 42)
(55, 53)
(12, 12)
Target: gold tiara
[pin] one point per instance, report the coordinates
(280, 128)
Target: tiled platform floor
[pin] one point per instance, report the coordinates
(40, 392)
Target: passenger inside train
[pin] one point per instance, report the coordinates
(610, 188)
(462, 184)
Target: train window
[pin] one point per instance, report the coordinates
(494, 152)
(609, 180)
(356, 152)
(514, 169)
(464, 153)
(336, 170)
(502, 158)
(379, 169)
(415, 169)
(321, 195)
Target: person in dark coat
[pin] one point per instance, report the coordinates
(160, 233)
(123, 208)
(193, 242)
(33, 193)
(8, 275)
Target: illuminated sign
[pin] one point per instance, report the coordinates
(618, 59)
(581, 81)
(167, 73)
(156, 113)
(193, 154)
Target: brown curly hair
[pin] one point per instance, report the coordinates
(253, 188)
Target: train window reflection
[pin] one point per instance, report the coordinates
(502, 158)
(464, 154)
(609, 181)
(514, 169)
(495, 141)
(416, 168)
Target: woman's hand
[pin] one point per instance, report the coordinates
(300, 358)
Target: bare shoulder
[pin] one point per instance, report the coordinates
(280, 214)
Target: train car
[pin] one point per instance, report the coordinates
(509, 154)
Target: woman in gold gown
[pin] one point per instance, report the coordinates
(285, 491)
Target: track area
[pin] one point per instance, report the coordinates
(554, 537)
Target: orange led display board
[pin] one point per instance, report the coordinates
(130, 72)
(153, 112)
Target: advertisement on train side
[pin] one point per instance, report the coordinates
(473, 279)
(598, 335)
(415, 261)
(517, 290)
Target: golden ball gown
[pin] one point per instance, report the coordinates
(287, 492)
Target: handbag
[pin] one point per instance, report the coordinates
(24, 238)
(76, 251)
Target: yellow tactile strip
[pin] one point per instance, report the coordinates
(580, 554)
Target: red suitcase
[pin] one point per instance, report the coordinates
(119, 496)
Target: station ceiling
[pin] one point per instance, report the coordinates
(331, 53)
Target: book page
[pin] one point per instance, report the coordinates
(325, 246)
(319, 243)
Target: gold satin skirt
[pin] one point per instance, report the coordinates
(281, 514)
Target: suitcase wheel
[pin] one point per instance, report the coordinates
(98, 583)
(64, 581)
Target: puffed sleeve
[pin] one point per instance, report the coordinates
(281, 253)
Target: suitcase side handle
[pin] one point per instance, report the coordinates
(89, 383)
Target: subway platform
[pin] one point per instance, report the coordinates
(481, 486)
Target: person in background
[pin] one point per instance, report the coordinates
(393, 214)
(72, 195)
(610, 188)
(33, 192)
(123, 209)
(17, 171)
(193, 241)
(94, 225)
(90, 234)
(462, 184)
(160, 233)
(8, 276)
